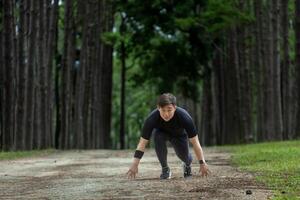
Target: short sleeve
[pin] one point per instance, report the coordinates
(147, 129)
(188, 124)
(149, 124)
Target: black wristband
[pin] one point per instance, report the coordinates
(201, 162)
(138, 154)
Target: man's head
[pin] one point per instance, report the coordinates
(166, 105)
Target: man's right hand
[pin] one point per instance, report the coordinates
(133, 170)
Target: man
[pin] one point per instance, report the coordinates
(169, 122)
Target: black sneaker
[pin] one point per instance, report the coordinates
(187, 171)
(166, 173)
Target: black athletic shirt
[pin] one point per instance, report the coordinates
(180, 124)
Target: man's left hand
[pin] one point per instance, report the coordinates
(204, 171)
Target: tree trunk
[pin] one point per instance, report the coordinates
(245, 86)
(51, 46)
(21, 87)
(286, 74)
(269, 126)
(218, 94)
(259, 69)
(207, 118)
(241, 51)
(232, 101)
(106, 82)
(1, 77)
(80, 138)
(39, 118)
(88, 76)
(123, 86)
(297, 65)
(31, 74)
(276, 65)
(9, 79)
(95, 66)
(67, 65)
(43, 74)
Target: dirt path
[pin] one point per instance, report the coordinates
(100, 174)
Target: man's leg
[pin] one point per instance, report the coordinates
(181, 147)
(161, 147)
(161, 152)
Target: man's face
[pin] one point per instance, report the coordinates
(167, 112)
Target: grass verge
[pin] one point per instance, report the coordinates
(276, 164)
(23, 154)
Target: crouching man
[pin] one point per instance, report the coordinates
(170, 122)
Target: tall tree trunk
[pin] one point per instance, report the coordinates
(67, 65)
(259, 69)
(98, 74)
(123, 86)
(106, 82)
(80, 137)
(245, 78)
(27, 35)
(245, 89)
(51, 46)
(39, 118)
(297, 65)
(57, 133)
(1, 77)
(207, 118)
(31, 75)
(241, 51)
(223, 96)
(88, 76)
(21, 101)
(232, 110)
(15, 72)
(9, 79)
(269, 126)
(276, 80)
(87, 108)
(94, 66)
(286, 75)
(218, 93)
(43, 74)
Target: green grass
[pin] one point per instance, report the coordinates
(277, 164)
(24, 154)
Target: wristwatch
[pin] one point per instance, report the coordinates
(201, 162)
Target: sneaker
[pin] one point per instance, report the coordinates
(166, 173)
(187, 171)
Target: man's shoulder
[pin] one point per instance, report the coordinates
(182, 112)
(153, 114)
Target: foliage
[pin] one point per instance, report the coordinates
(220, 16)
(172, 41)
(276, 164)
(139, 102)
(168, 46)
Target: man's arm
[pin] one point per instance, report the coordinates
(197, 148)
(141, 147)
(204, 171)
(133, 170)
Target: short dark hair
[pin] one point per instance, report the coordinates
(166, 99)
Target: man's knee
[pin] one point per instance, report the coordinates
(186, 157)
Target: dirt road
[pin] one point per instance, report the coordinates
(100, 174)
